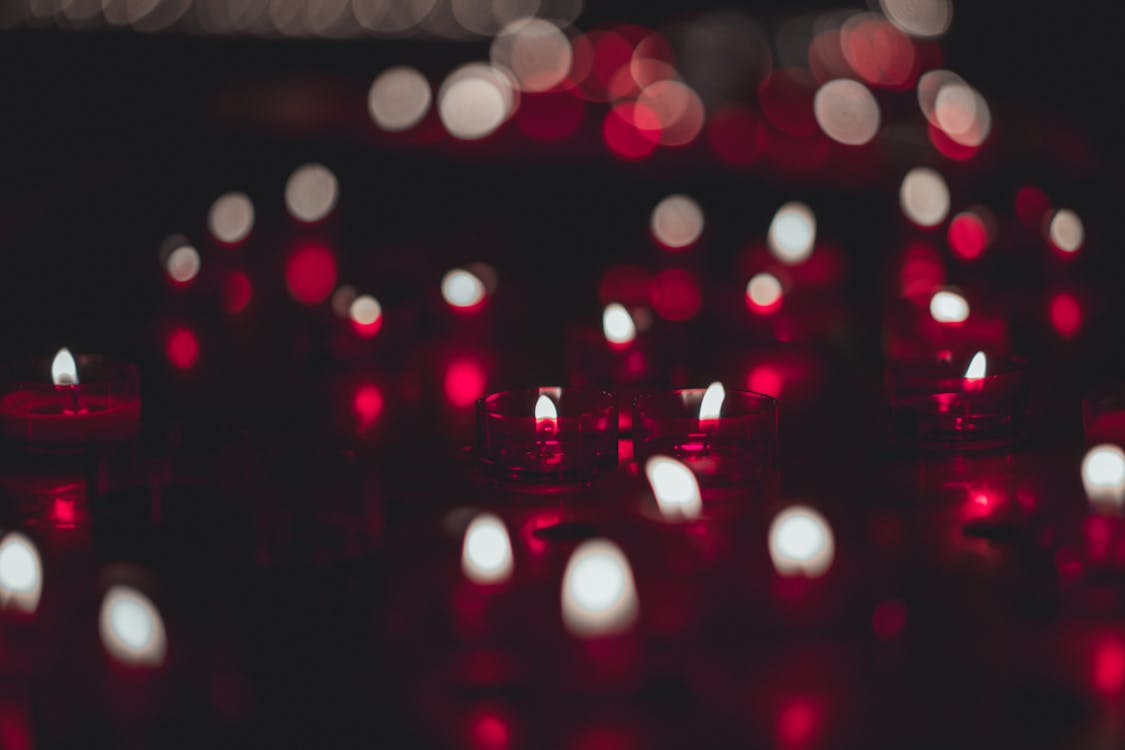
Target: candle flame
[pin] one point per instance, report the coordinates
(545, 410)
(712, 404)
(63, 370)
(486, 554)
(675, 487)
(977, 367)
(599, 597)
(618, 324)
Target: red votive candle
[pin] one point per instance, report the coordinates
(959, 403)
(725, 436)
(547, 435)
(70, 403)
(1103, 415)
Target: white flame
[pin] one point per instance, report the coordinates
(486, 554)
(618, 324)
(545, 409)
(21, 573)
(63, 370)
(675, 487)
(711, 406)
(801, 542)
(949, 307)
(131, 628)
(461, 288)
(792, 233)
(977, 368)
(1103, 474)
(598, 593)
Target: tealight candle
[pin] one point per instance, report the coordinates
(72, 403)
(547, 435)
(937, 405)
(725, 437)
(1103, 415)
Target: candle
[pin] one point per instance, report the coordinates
(71, 404)
(935, 408)
(547, 435)
(724, 436)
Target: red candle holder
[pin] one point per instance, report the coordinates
(104, 406)
(934, 406)
(1103, 415)
(547, 435)
(737, 447)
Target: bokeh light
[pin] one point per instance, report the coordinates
(475, 100)
(311, 193)
(949, 307)
(618, 325)
(237, 292)
(183, 265)
(675, 488)
(1065, 231)
(366, 315)
(677, 110)
(631, 131)
(924, 197)
(231, 218)
(962, 114)
(462, 290)
(878, 52)
(970, 233)
(676, 222)
(399, 98)
(391, 18)
(367, 405)
(920, 18)
(1103, 475)
(535, 51)
(792, 233)
(763, 293)
(486, 553)
(1065, 313)
(675, 294)
(847, 112)
(801, 542)
(21, 574)
(131, 628)
(181, 347)
(464, 381)
(599, 597)
(310, 274)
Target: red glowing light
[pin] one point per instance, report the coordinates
(237, 292)
(948, 147)
(490, 732)
(367, 405)
(881, 54)
(598, 56)
(1066, 314)
(676, 295)
(631, 131)
(1109, 666)
(1032, 205)
(786, 97)
(922, 271)
(797, 723)
(310, 274)
(464, 382)
(765, 379)
(733, 135)
(968, 235)
(889, 619)
(64, 512)
(551, 116)
(181, 347)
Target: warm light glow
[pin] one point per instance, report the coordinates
(475, 100)
(21, 574)
(675, 487)
(929, 86)
(64, 371)
(677, 221)
(712, 404)
(962, 113)
(801, 542)
(1066, 231)
(1103, 474)
(131, 628)
(342, 300)
(181, 346)
(462, 289)
(399, 98)
(366, 314)
(847, 112)
(231, 218)
(792, 233)
(949, 307)
(367, 404)
(545, 410)
(464, 381)
(536, 51)
(311, 193)
(618, 325)
(921, 18)
(310, 274)
(924, 197)
(183, 264)
(977, 367)
(763, 292)
(486, 554)
(599, 596)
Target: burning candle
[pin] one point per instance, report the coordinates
(84, 401)
(724, 437)
(547, 435)
(984, 407)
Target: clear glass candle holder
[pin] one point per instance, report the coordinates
(737, 447)
(935, 407)
(570, 441)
